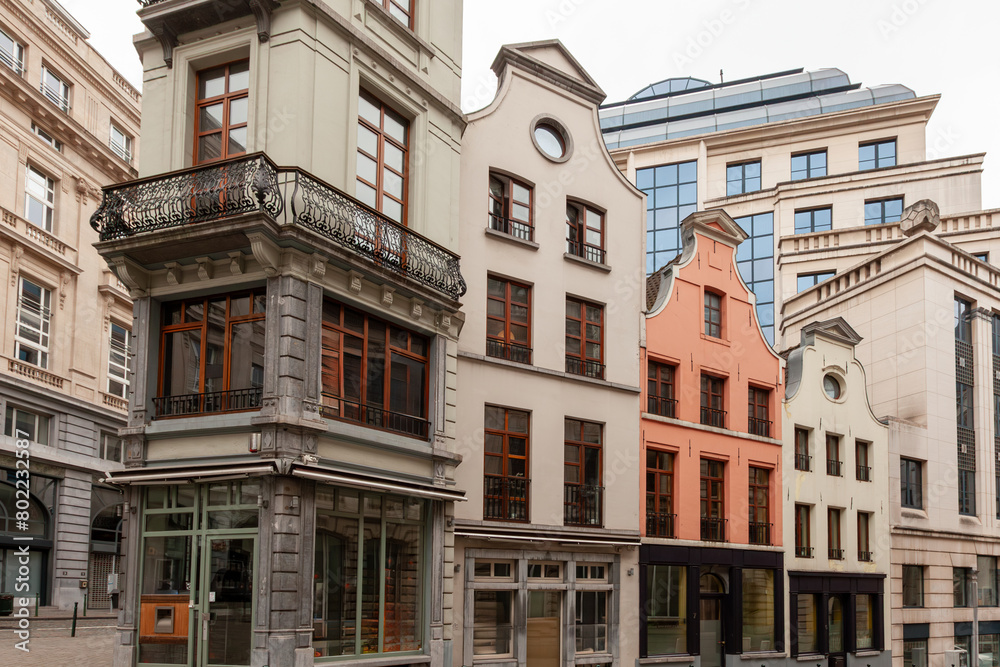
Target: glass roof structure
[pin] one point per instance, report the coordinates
(684, 107)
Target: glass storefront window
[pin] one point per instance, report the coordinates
(666, 609)
(758, 610)
(163, 601)
(493, 627)
(864, 615)
(591, 621)
(915, 653)
(807, 626)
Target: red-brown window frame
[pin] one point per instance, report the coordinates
(505, 456)
(758, 406)
(661, 388)
(508, 301)
(834, 530)
(505, 204)
(753, 485)
(410, 13)
(802, 528)
(708, 478)
(864, 536)
(655, 494)
(585, 250)
(582, 357)
(202, 326)
(581, 446)
(390, 348)
(710, 309)
(833, 447)
(801, 451)
(226, 98)
(709, 392)
(382, 138)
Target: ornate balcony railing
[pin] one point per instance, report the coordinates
(864, 474)
(253, 184)
(335, 407)
(833, 467)
(760, 533)
(510, 351)
(660, 524)
(803, 462)
(505, 498)
(590, 369)
(185, 405)
(761, 427)
(713, 417)
(836, 554)
(658, 405)
(582, 505)
(515, 228)
(713, 530)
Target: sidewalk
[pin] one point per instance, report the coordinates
(92, 647)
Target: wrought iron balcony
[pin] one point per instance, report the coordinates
(585, 250)
(658, 405)
(803, 552)
(583, 504)
(713, 417)
(713, 529)
(335, 407)
(505, 498)
(836, 554)
(760, 533)
(590, 369)
(510, 351)
(515, 228)
(761, 427)
(833, 467)
(186, 405)
(253, 184)
(803, 462)
(660, 524)
(864, 473)
(866, 556)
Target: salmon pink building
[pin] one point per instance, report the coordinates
(711, 575)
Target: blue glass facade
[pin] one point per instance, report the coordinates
(671, 195)
(755, 261)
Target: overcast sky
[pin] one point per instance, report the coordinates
(948, 47)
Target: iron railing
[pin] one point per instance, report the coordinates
(803, 462)
(761, 427)
(583, 505)
(713, 417)
(509, 351)
(505, 498)
(335, 407)
(55, 96)
(865, 556)
(659, 405)
(590, 369)
(713, 529)
(760, 533)
(12, 62)
(803, 552)
(833, 467)
(864, 473)
(660, 524)
(516, 228)
(234, 400)
(253, 184)
(586, 251)
(836, 554)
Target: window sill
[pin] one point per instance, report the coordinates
(970, 519)
(593, 658)
(661, 659)
(400, 29)
(810, 657)
(913, 513)
(866, 653)
(757, 655)
(714, 339)
(586, 262)
(511, 239)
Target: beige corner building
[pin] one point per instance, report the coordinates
(546, 548)
(69, 124)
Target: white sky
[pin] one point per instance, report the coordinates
(948, 47)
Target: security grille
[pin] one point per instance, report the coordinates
(101, 565)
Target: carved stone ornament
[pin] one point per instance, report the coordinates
(387, 296)
(354, 281)
(416, 308)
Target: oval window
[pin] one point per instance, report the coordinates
(549, 140)
(831, 386)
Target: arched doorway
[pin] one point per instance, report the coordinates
(36, 526)
(712, 626)
(105, 551)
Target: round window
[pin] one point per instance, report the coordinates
(551, 140)
(831, 386)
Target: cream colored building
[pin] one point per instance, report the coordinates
(69, 124)
(291, 252)
(548, 429)
(837, 511)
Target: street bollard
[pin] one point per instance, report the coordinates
(72, 632)
(85, 604)
(36, 605)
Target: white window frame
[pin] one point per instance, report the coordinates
(111, 438)
(46, 137)
(119, 361)
(41, 424)
(41, 189)
(121, 147)
(34, 323)
(15, 58)
(57, 94)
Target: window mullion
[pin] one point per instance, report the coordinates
(382, 561)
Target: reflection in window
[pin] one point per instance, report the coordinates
(864, 617)
(877, 154)
(806, 280)
(806, 623)
(758, 610)
(742, 178)
(591, 621)
(915, 653)
(883, 211)
(671, 195)
(808, 165)
(666, 609)
(813, 220)
(493, 628)
(755, 261)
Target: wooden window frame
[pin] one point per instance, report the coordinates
(660, 389)
(758, 403)
(581, 445)
(657, 494)
(802, 457)
(803, 530)
(709, 384)
(834, 533)
(580, 247)
(864, 535)
(713, 329)
(833, 454)
(226, 98)
(583, 358)
(383, 138)
(505, 456)
(506, 341)
(330, 352)
(753, 485)
(706, 503)
(501, 208)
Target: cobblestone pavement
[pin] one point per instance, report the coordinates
(92, 647)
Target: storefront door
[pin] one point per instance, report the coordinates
(544, 624)
(712, 628)
(226, 608)
(835, 632)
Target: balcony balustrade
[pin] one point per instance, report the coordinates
(760, 533)
(803, 462)
(713, 417)
(803, 552)
(515, 228)
(505, 498)
(591, 369)
(188, 405)
(664, 407)
(864, 474)
(713, 529)
(836, 554)
(866, 556)
(660, 524)
(499, 349)
(335, 407)
(583, 504)
(761, 427)
(833, 467)
(253, 184)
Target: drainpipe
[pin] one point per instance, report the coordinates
(975, 618)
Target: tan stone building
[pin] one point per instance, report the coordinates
(291, 251)
(548, 428)
(69, 124)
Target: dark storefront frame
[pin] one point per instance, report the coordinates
(827, 584)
